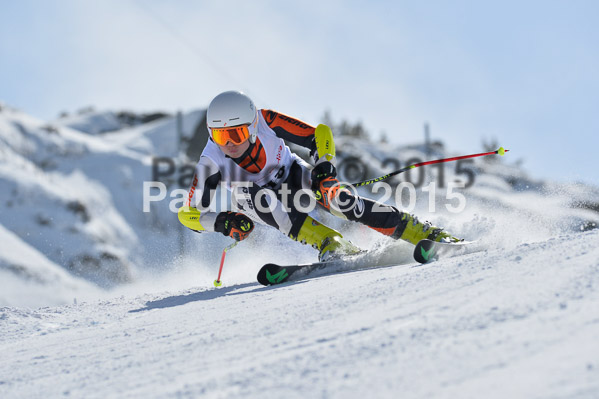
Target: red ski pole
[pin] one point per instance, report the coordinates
(217, 282)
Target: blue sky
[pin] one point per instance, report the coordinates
(522, 72)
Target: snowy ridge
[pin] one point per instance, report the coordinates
(91, 123)
(45, 190)
(78, 198)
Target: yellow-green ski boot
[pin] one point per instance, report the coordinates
(330, 243)
(412, 230)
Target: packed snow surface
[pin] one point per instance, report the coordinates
(518, 323)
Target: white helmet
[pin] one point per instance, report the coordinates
(232, 108)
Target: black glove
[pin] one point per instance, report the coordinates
(234, 225)
(324, 183)
(321, 172)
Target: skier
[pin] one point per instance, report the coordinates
(247, 152)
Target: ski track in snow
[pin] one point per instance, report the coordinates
(519, 323)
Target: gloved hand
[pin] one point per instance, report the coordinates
(234, 225)
(324, 183)
(322, 171)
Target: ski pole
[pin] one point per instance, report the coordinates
(217, 282)
(500, 151)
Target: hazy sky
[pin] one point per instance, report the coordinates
(523, 72)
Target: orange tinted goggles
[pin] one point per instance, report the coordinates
(236, 134)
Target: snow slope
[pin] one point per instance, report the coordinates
(521, 322)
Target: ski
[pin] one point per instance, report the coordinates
(271, 273)
(424, 252)
(428, 250)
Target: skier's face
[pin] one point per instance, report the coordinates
(234, 150)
